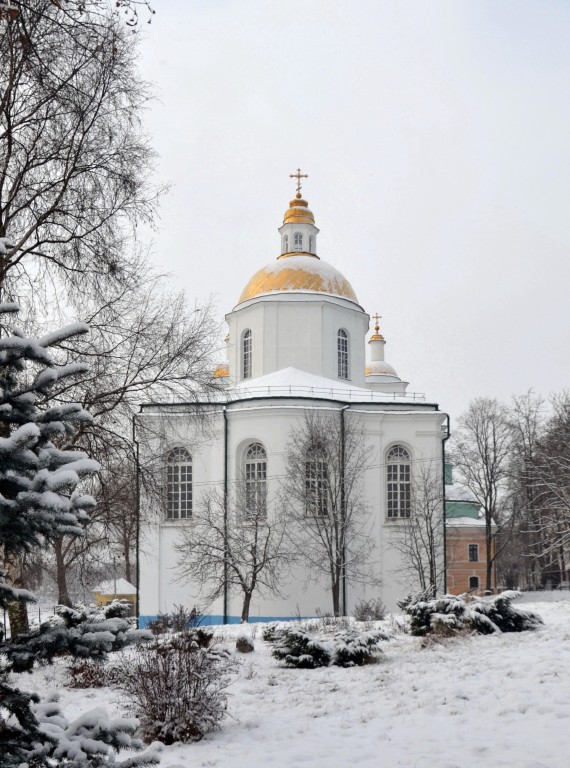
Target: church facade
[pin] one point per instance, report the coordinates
(296, 346)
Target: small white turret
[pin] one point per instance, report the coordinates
(298, 232)
(380, 375)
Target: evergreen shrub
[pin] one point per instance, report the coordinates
(451, 615)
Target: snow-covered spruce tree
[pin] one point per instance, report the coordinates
(454, 614)
(39, 498)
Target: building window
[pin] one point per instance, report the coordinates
(310, 243)
(255, 473)
(473, 553)
(285, 243)
(473, 582)
(316, 486)
(399, 482)
(298, 241)
(246, 355)
(342, 353)
(179, 485)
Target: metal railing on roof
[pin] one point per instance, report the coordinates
(337, 393)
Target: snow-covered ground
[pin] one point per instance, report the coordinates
(500, 700)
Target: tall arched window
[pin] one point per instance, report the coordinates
(316, 484)
(342, 353)
(298, 241)
(310, 243)
(246, 354)
(285, 243)
(255, 473)
(178, 485)
(399, 482)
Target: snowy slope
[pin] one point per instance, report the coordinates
(493, 701)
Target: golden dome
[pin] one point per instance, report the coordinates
(298, 272)
(298, 212)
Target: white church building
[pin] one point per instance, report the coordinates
(296, 342)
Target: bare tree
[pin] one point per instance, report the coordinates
(75, 166)
(551, 475)
(520, 560)
(323, 495)
(481, 453)
(143, 344)
(242, 548)
(420, 538)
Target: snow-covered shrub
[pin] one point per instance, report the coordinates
(347, 648)
(299, 649)
(90, 741)
(457, 614)
(177, 686)
(370, 610)
(178, 620)
(81, 632)
(270, 632)
(354, 649)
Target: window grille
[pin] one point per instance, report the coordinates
(316, 486)
(473, 553)
(247, 355)
(342, 354)
(298, 241)
(398, 482)
(179, 485)
(255, 472)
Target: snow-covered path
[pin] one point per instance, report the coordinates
(484, 701)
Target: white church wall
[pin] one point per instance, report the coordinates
(270, 423)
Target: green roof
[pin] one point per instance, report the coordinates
(462, 509)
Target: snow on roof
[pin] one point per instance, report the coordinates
(294, 382)
(116, 587)
(458, 492)
(465, 522)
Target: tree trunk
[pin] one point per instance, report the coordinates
(61, 574)
(128, 565)
(245, 607)
(17, 611)
(336, 597)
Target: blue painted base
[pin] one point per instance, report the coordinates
(208, 621)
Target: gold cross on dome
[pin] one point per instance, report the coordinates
(299, 176)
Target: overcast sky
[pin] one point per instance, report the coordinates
(436, 136)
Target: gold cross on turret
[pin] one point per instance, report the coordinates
(298, 176)
(376, 319)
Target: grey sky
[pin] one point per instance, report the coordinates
(436, 136)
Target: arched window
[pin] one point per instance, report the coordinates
(298, 241)
(285, 243)
(246, 354)
(310, 243)
(342, 353)
(473, 582)
(178, 485)
(316, 484)
(399, 482)
(255, 473)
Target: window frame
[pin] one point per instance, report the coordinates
(474, 586)
(316, 485)
(297, 241)
(246, 351)
(255, 481)
(473, 548)
(398, 483)
(179, 485)
(342, 354)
